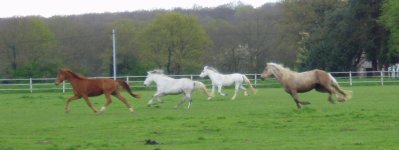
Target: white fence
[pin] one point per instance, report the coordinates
(344, 78)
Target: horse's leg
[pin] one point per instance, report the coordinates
(108, 102)
(159, 99)
(124, 100)
(68, 104)
(330, 91)
(326, 87)
(150, 102)
(237, 86)
(294, 95)
(337, 88)
(90, 104)
(245, 90)
(190, 102)
(213, 89)
(323, 89)
(220, 90)
(182, 101)
(330, 98)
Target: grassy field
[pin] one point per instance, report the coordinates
(268, 120)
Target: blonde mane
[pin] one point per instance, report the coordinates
(279, 69)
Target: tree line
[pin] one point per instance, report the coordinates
(303, 34)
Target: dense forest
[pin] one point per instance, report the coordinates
(235, 37)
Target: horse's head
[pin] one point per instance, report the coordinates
(204, 72)
(60, 77)
(148, 80)
(267, 71)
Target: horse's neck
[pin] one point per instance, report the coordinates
(281, 75)
(73, 79)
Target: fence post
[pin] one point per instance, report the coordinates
(191, 77)
(30, 85)
(63, 86)
(350, 78)
(256, 79)
(127, 79)
(382, 78)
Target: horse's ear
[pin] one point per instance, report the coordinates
(148, 72)
(206, 67)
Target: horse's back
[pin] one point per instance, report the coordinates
(96, 87)
(303, 81)
(230, 79)
(177, 86)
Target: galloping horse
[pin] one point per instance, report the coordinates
(84, 87)
(220, 80)
(294, 83)
(167, 85)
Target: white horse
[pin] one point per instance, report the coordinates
(167, 86)
(220, 80)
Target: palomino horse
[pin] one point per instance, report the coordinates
(294, 82)
(84, 87)
(167, 85)
(220, 80)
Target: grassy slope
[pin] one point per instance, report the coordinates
(268, 120)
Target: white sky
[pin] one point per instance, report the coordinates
(48, 8)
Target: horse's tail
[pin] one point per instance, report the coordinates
(127, 88)
(202, 86)
(342, 95)
(249, 83)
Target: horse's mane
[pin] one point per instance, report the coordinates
(211, 68)
(280, 67)
(73, 73)
(156, 71)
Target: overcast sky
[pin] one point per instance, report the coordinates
(48, 8)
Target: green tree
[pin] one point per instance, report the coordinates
(389, 19)
(303, 17)
(29, 46)
(339, 32)
(175, 42)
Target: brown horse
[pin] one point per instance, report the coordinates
(84, 87)
(294, 83)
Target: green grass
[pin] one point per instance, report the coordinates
(268, 120)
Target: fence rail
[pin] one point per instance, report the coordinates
(344, 78)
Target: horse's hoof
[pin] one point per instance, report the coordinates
(209, 98)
